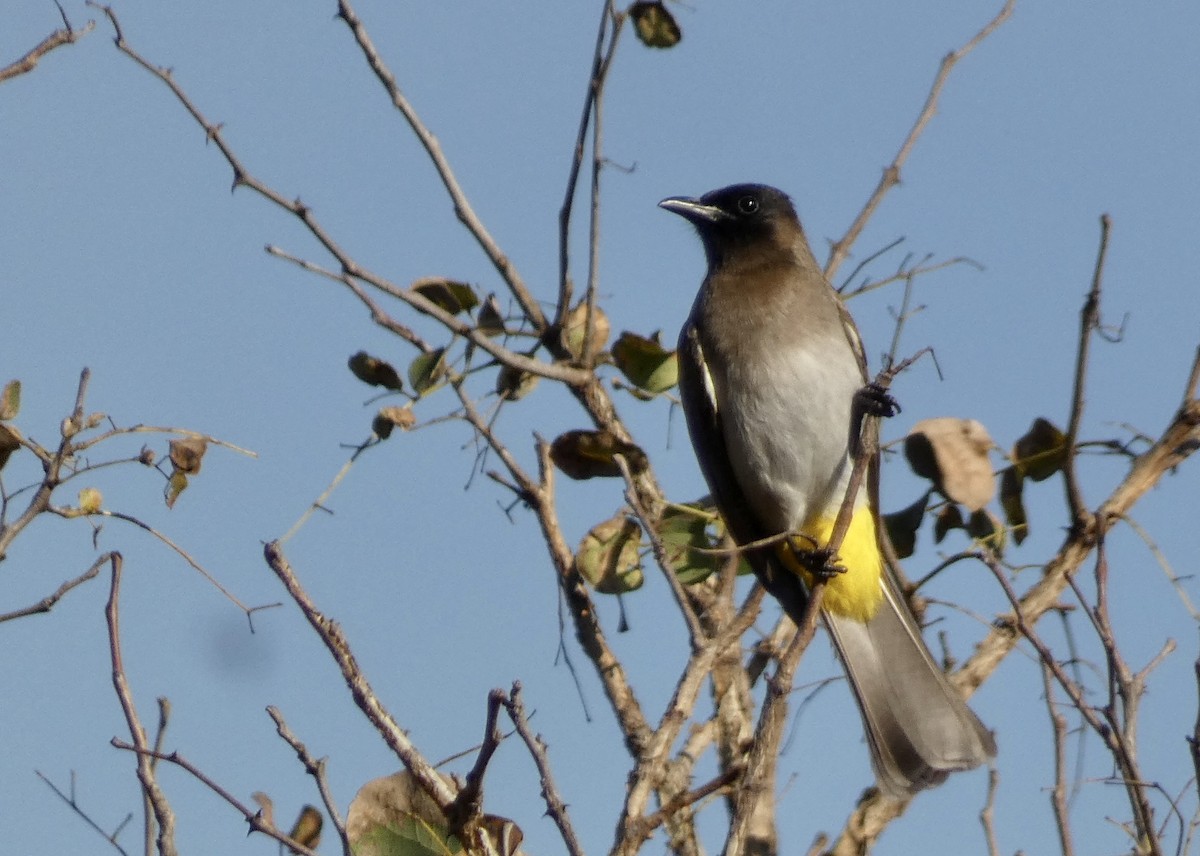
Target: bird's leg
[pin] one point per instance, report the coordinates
(870, 400)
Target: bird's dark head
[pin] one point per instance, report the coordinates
(738, 216)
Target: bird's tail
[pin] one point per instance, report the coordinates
(918, 726)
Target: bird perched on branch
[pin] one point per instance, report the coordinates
(774, 385)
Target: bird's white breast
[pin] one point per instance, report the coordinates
(785, 413)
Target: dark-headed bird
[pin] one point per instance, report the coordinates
(772, 376)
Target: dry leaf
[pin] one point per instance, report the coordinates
(588, 454)
(953, 454)
(375, 371)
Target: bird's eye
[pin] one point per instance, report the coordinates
(747, 205)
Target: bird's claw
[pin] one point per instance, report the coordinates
(874, 400)
(821, 562)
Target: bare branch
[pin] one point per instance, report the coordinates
(67, 35)
(70, 800)
(47, 603)
(315, 767)
(254, 819)
(1089, 322)
(555, 807)
(891, 175)
(360, 689)
(159, 814)
(1058, 793)
(469, 803)
(462, 207)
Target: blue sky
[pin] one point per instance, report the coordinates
(122, 249)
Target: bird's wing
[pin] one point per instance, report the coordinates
(705, 427)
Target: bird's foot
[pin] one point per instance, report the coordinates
(821, 562)
(874, 400)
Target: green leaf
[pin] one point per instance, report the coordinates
(684, 532)
(454, 297)
(427, 370)
(654, 25)
(609, 556)
(375, 371)
(514, 384)
(646, 363)
(176, 485)
(411, 836)
(574, 331)
(10, 400)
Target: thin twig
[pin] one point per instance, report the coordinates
(469, 803)
(891, 175)
(315, 767)
(595, 79)
(462, 206)
(47, 603)
(987, 815)
(1089, 322)
(1058, 793)
(695, 632)
(256, 820)
(159, 816)
(70, 800)
(555, 807)
(360, 689)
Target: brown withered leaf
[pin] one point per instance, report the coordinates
(645, 362)
(375, 371)
(1041, 452)
(187, 454)
(448, 294)
(389, 418)
(902, 526)
(1012, 485)
(266, 808)
(585, 454)
(654, 25)
(953, 454)
(609, 556)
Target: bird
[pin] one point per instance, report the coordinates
(773, 382)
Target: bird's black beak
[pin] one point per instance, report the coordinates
(693, 209)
